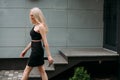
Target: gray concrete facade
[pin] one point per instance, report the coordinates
(72, 23)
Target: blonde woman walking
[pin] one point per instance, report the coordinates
(37, 45)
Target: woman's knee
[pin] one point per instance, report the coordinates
(27, 70)
(41, 69)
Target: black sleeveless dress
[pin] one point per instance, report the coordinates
(37, 50)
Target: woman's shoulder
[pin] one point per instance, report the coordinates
(41, 27)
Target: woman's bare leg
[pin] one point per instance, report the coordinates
(43, 73)
(26, 73)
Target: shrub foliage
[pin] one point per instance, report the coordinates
(80, 74)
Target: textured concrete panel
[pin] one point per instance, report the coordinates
(86, 4)
(85, 37)
(10, 52)
(57, 36)
(56, 17)
(85, 19)
(12, 18)
(12, 3)
(12, 37)
(47, 4)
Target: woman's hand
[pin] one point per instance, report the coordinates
(22, 54)
(50, 60)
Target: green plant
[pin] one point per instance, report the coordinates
(80, 74)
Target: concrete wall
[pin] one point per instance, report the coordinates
(72, 23)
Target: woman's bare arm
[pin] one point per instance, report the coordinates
(44, 39)
(27, 47)
(25, 50)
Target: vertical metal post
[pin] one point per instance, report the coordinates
(118, 35)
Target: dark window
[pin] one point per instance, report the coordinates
(110, 27)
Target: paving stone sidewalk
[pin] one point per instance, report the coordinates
(11, 74)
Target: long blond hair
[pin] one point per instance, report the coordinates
(39, 17)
